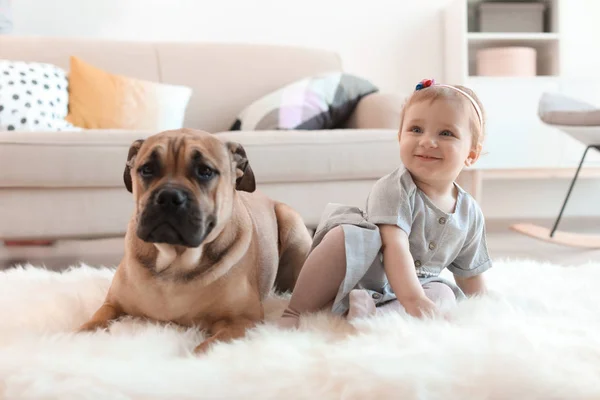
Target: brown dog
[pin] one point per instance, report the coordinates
(202, 248)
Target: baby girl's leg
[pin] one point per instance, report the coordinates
(362, 305)
(319, 279)
(439, 293)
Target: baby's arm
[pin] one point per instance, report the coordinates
(473, 259)
(400, 270)
(474, 285)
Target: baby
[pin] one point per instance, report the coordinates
(417, 221)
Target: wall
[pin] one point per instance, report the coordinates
(579, 30)
(375, 38)
(394, 43)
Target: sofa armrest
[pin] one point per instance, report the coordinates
(377, 111)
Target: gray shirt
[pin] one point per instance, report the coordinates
(438, 240)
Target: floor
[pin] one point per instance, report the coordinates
(502, 242)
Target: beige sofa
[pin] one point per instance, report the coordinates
(69, 184)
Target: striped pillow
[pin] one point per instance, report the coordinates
(319, 102)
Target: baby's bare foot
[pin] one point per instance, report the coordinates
(290, 319)
(361, 304)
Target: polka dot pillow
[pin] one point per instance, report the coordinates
(33, 97)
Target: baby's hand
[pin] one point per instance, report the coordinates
(420, 306)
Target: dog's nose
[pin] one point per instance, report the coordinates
(170, 198)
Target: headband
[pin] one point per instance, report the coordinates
(425, 83)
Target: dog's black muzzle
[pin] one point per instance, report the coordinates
(172, 216)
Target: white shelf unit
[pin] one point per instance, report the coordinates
(546, 43)
(462, 39)
(518, 144)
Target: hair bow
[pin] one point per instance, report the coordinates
(425, 83)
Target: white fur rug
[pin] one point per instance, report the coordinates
(537, 336)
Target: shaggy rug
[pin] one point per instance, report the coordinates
(536, 336)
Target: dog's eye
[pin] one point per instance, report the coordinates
(204, 173)
(146, 171)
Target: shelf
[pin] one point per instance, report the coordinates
(501, 79)
(487, 37)
(535, 40)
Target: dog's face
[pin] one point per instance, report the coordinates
(183, 183)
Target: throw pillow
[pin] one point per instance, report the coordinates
(33, 97)
(99, 99)
(319, 102)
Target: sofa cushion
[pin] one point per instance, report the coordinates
(378, 111)
(96, 158)
(319, 102)
(103, 100)
(64, 159)
(33, 96)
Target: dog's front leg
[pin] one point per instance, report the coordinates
(226, 330)
(106, 313)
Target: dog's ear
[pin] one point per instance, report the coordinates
(133, 150)
(245, 176)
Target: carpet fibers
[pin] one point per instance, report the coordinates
(536, 336)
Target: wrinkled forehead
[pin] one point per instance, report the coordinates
(184, 149)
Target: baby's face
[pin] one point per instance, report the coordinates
(435, 140)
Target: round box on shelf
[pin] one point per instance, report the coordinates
(506, 61)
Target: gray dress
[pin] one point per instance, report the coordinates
(437, 239)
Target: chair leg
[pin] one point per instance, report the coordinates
(571, 188)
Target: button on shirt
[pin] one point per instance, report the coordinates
(437, 239)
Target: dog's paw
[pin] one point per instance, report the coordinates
(203, 347)
(91, 326)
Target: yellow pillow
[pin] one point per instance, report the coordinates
(101, 100)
